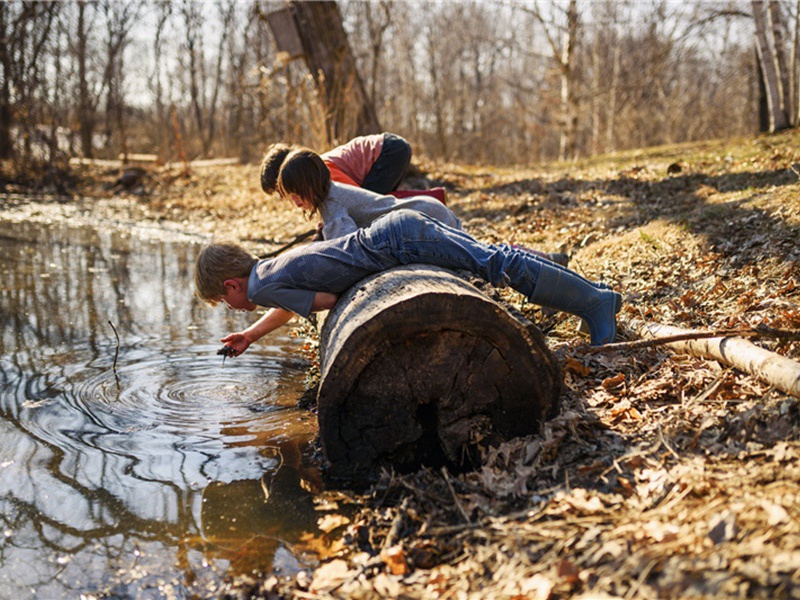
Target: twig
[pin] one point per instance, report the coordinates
(296, 240)
(397, 524)
(770, 367)
(760, 331)
(116, 351)
(455, 497)
(664, 443)
(642, 577)
(694, 335)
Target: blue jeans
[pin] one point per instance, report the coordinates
(405, 237)
(388, 171)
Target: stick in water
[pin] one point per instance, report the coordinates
(116, 352)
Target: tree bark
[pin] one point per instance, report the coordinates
(6, 150)
(330, 59)
(420, 367)
(769, 66)
(779, 371)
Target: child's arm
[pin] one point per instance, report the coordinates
(274, 318)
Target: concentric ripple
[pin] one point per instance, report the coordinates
(110, 438)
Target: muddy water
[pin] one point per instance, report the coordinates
(138, 467)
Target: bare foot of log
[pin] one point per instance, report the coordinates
(419, 367)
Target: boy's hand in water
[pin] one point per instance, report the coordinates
(237, 342)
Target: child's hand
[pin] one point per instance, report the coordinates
(318, 234)
(237, 342)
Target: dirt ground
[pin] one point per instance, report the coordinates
(665, 474)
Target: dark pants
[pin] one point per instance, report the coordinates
(391, 166)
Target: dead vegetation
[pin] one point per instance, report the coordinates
(664, 475)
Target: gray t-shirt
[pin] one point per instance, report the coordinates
(348, 208)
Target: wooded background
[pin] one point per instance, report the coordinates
(492, 82)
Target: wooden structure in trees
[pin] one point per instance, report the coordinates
(420, 367)
(314, 31)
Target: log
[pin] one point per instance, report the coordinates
(774, 369)
(418, 367)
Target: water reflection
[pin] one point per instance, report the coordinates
(126, 481)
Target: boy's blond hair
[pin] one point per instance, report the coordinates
(304, 173)
(215, 264)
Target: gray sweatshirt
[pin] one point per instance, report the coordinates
(348, 208)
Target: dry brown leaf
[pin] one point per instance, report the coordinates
(395, 559)
(613, 383)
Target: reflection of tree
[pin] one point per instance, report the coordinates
(77, 480)
(75, 485)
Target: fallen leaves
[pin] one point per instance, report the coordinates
(664, 475)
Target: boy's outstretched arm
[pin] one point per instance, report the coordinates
(241, 340)
(274, 318)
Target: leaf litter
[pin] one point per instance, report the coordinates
(664, 474)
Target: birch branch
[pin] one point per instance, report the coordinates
(774, 369)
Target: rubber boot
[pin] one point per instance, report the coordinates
(583, 326)
(567, 291)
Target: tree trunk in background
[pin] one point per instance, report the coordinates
(567, 149)
(330, 59)
(86, 118)
(775, 21)
(794, 66)
(564, 56)
(420, 367)
(5, 87)
(772, 78)
(763, 103)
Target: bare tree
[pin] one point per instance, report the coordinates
(87, 99)
(120, 17)
(768, 56)
(564, 56)
(161, 117)
(26, 30)
(5, 83)
(330, 60)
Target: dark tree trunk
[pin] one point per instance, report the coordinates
(420, 367)
(5, 85)
(330, 59)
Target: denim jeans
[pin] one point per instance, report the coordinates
(407, 237)
(388, 171)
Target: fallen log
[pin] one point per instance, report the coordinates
(419, 367)
(779, 371)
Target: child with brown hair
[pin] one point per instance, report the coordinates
(305, 179)
(377, 162)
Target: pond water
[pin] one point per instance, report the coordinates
(133, 462)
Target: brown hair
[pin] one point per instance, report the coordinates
(215, 264)
(304, 173)
(271, 166)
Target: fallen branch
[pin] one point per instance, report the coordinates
(759, 332)
(296, 240)
(774, 369)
